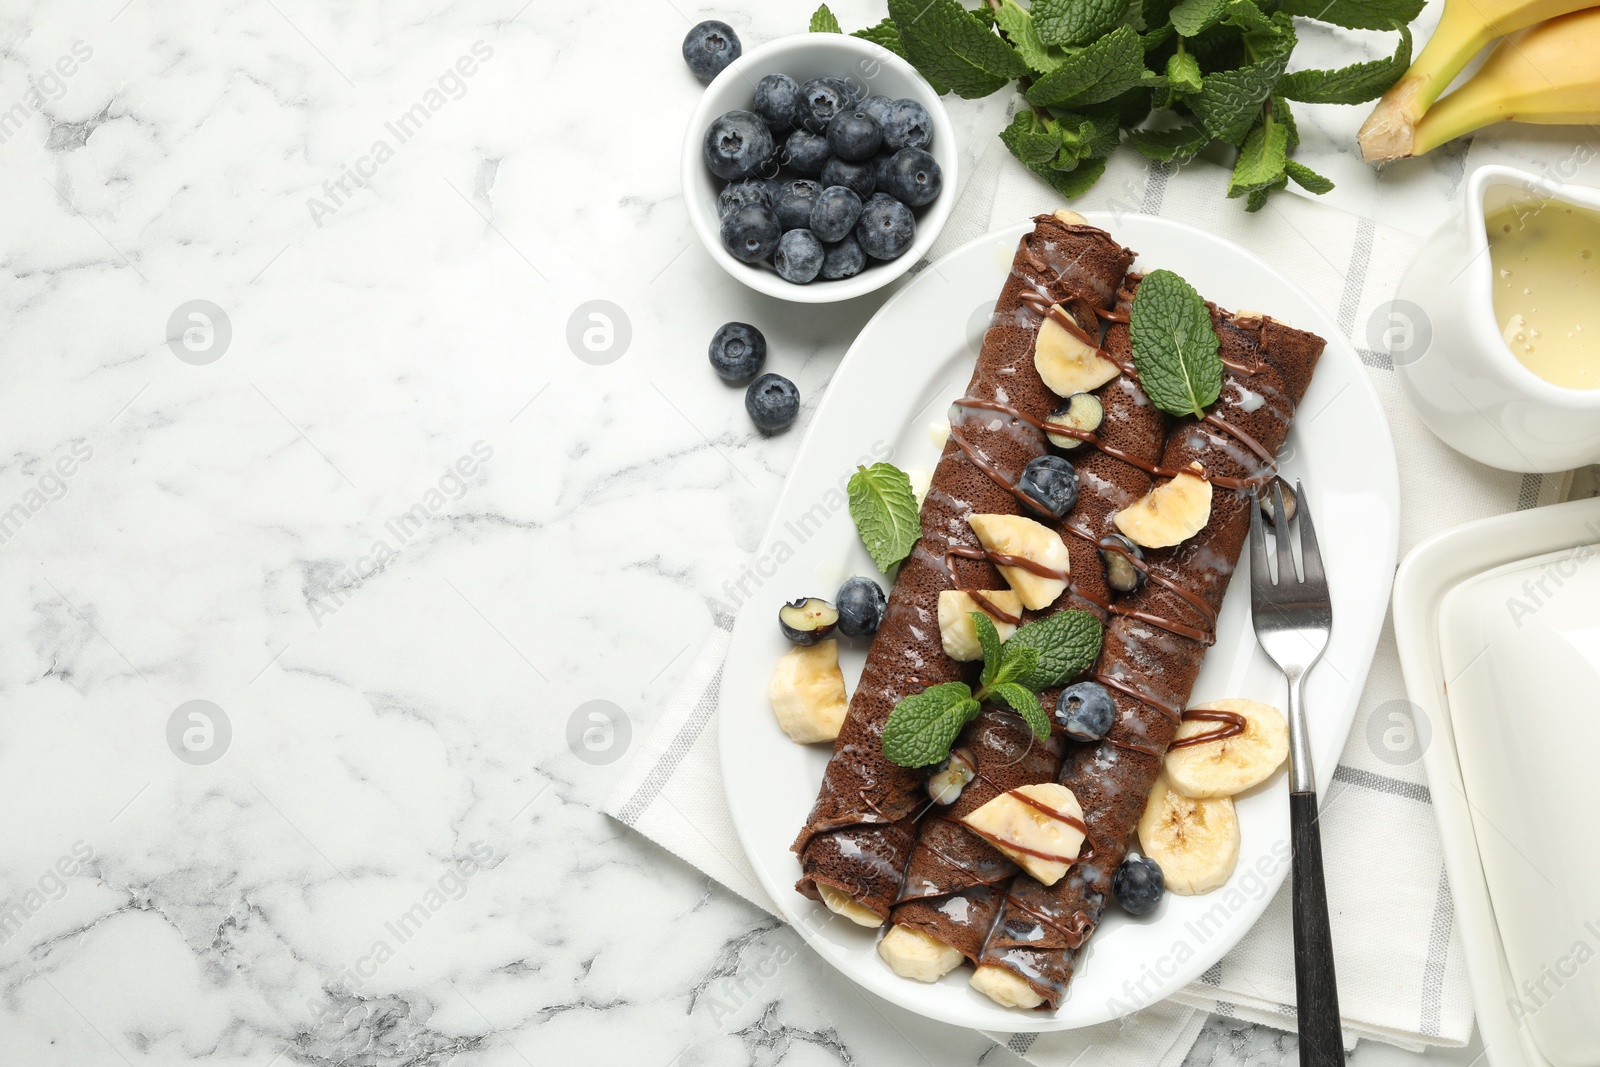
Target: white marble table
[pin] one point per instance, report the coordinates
(394, 533)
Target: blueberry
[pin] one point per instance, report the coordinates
(751, 233)
(877, 106)
(834, 213)
(807, 620)
(737, 144)
(736, 195)
(844, 259)
(909, 126)
(914, 177)
(1138, 884)
(777, 100)
(854, 136)
(1051, 481)
(822, 98)
(857, 176)
(887, 227)
(709, 47)
(808, 153)
(737, 351)
(794, 203)
(799, 256)
(1121, 557)
(772, 402)
(853, 91)
(1086, 710)
(861, 604)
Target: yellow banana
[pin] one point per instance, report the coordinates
(1465, 27)
(1546, 74)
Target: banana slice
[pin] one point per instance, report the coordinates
(955, 620)
(1067, 363)
(1169, 514)
(1069, 218)
(916, 955)
(841, 903)
(1004, 988)
(1196, 842)
(1013, 535)
(1033, 829)
(807, 693)
(1234, 764)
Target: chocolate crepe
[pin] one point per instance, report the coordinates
(859, 834)
(1268, 367)
(955, 881)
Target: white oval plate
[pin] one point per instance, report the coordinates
(910, 360)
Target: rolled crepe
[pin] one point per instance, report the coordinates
(1148, 668)
(861, 829)
(955, 882)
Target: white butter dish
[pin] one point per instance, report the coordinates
(1498, 626)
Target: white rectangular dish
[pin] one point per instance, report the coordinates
(1504, 613)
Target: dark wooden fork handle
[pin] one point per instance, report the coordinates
(1316, 989)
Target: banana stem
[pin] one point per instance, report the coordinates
(1389, 132)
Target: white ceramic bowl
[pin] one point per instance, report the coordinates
(805, 56)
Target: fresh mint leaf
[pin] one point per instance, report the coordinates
(1068, 643)
(1261, 159)
(1093, 74)
(1258, 198)
(989, 639)
(1015, 663)
(1179, 143)
(885, 35)
(922, 726)
(1024, 702)
(1016, 22)
(885, 511)
(1246, 15)
(1307, 179)
(1032, 139)
(1174, 346)
(1072, 183)
(1354, 84)
(823, 21)
(944, 41)
(1232, 99)
(1072, 22)
(1356, 14)
(1191, 18)
(1183, 73)
(1282, 114)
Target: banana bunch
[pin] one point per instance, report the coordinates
(1543, 72)
(1189, 826)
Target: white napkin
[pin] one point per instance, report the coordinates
(1401, 978)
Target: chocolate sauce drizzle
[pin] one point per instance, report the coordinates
(1233, 726)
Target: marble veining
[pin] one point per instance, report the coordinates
(318, 531)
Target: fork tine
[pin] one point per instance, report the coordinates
(1310, 554)
(1280, 527)
(1260, 576)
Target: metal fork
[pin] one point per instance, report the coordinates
(1293, 616)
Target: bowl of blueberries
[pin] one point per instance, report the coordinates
(818, 167)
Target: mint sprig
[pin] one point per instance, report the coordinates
(1174, 346)
(1172, 77)
(825, 21)
(923, 726)
(885, 511)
